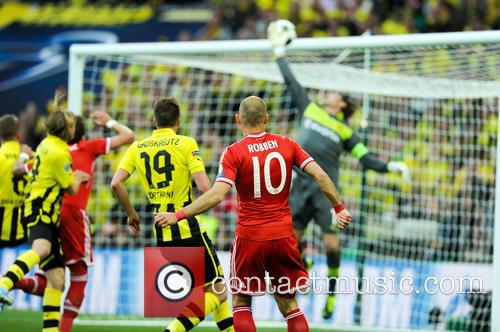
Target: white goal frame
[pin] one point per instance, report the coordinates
(78, 53)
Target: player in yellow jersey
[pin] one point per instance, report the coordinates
(50, 177)
(167, 163)
(12, 232)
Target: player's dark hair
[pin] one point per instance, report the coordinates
(167, 112)
(79, 130)
(349, 108)
(9, 127)
(58, 124)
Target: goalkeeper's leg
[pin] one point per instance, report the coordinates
(325, 217)
(332, 247)
(302, 212)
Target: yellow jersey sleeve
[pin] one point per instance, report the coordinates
(128, 161)
(62, 170)
(195, 163)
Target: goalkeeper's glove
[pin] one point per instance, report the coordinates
(281, 33)
(399, 167)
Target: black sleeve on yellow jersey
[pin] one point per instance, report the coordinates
(299, 94)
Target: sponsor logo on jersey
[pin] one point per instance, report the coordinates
(314, 126)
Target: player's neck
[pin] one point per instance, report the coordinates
(254, 130)
(174, 129)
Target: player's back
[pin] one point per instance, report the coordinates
(11, 193)
(260, 166)
(50, 176)
(165, 162)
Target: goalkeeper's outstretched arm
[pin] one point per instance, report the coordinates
(281, 33)
(299, 94)
(370, 161)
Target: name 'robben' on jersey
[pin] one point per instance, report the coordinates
(165, 162)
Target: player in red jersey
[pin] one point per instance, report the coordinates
(75, 226)
(260, 166)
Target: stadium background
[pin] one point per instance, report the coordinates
(35, 41)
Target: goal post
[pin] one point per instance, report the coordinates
(432, 100)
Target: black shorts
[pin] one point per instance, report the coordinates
(213, 269)
(307, 202)
(49, 232)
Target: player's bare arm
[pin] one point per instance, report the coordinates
(326, 185)
(80, 177)
(204, 203)
(125, 134)
(202, 181)
(121, 193)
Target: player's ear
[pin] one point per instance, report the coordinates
(266, 118)
(237, 119)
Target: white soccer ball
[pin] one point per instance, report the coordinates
(281, 32)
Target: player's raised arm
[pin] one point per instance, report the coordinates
(281, 33)
(326, 185)
(125, 135)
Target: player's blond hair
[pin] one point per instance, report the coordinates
(58, 124)
(253, 111)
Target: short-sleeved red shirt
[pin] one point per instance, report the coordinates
(260, 166)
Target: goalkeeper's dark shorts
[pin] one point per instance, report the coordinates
(308, 203)
(213, 269)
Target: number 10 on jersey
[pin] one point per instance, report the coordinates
(267, 174)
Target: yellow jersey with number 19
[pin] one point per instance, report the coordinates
(50, 176)
(165, 162)
(12, 232)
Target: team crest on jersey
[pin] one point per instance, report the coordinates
(196, 153)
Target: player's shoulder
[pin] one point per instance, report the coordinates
(281, 138)
(234, 147)
(186, 139)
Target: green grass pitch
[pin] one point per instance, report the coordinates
(30, 321)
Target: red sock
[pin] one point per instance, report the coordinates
(33, 285)
(75, 295)
(243, 320)
(296, 321)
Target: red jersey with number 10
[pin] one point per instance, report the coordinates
(84, 153)
(260, 166)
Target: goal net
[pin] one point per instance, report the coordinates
(420, 253)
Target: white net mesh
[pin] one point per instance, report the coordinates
(433, 107)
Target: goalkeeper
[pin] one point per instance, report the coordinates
(324, 134)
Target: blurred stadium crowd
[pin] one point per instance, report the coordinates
(449, 146)
(246, 19)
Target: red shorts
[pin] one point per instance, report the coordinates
(260, 267)
(75, 235)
